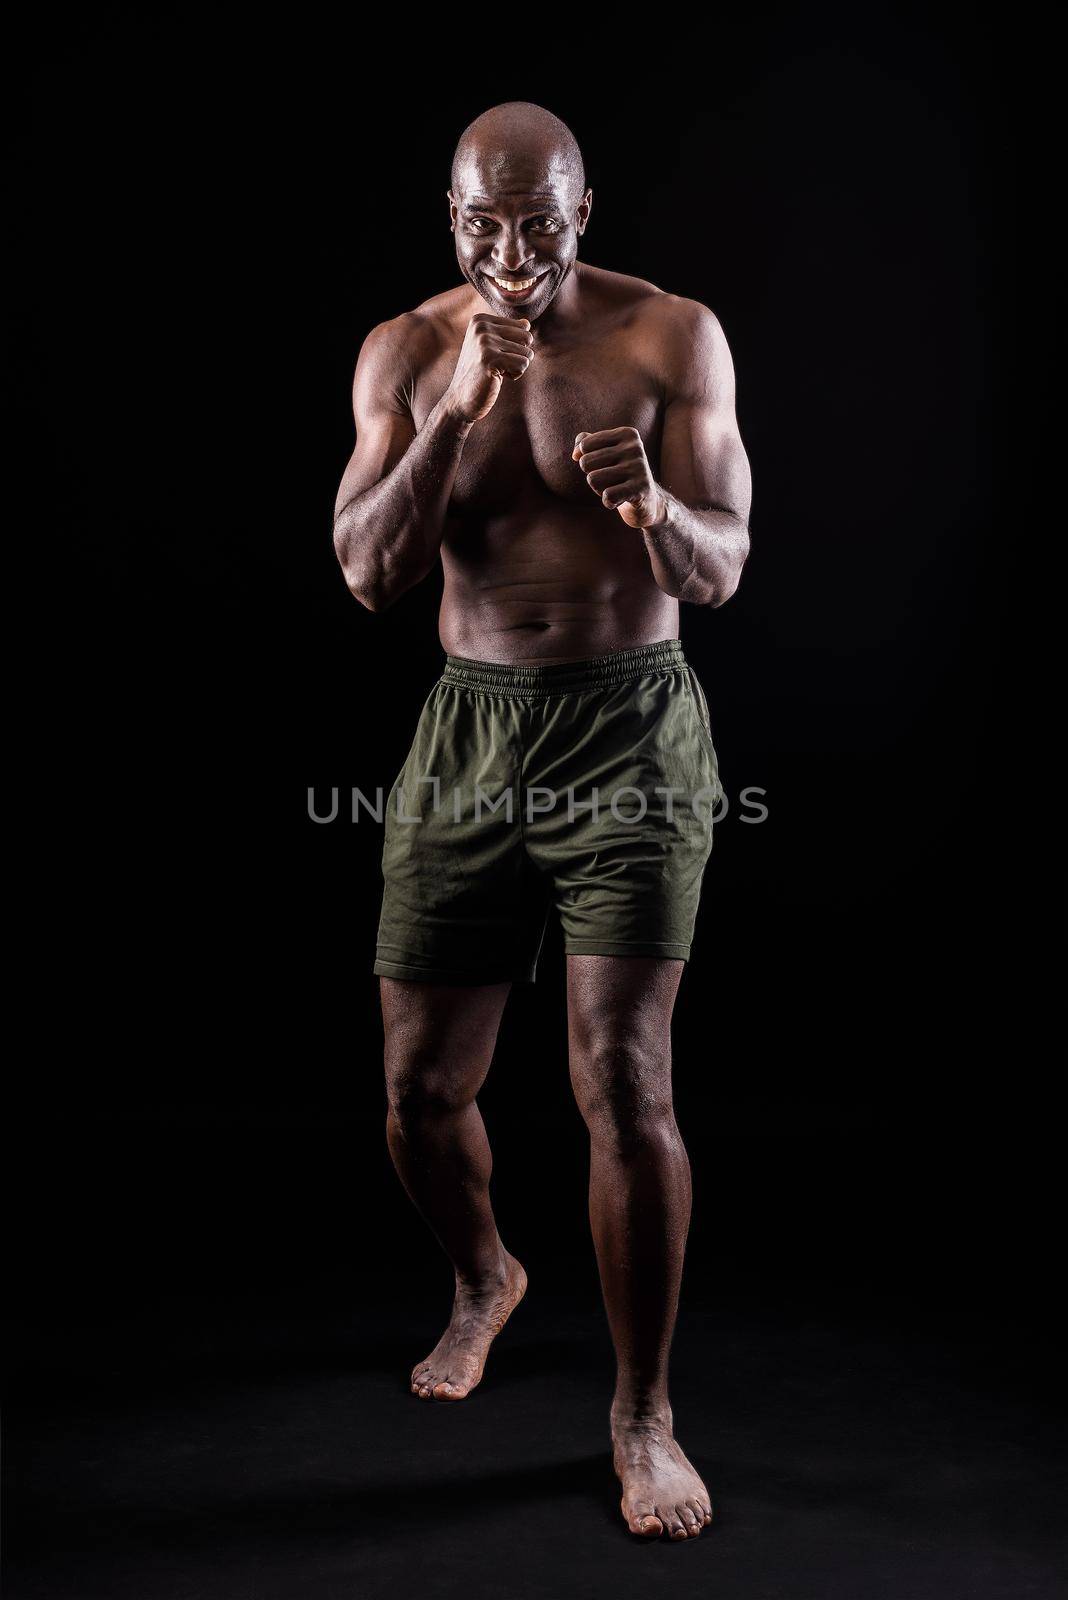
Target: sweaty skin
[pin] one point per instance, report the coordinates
(468, 411)
(567, 448)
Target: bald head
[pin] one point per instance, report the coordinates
(516, 141)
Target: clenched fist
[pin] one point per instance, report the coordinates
(494, 348)
(617, 470)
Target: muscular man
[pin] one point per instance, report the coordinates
(563, 439)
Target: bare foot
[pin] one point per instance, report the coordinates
(454, 1366)
(662, 1494)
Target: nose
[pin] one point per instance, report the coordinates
(509, 251)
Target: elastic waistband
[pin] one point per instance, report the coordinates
(565, 677)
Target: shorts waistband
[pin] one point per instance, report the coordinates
(565, 677)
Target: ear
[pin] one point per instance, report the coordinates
(452, 210)
(582, 215)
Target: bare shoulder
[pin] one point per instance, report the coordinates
(682, 323)
(403, 340)
(615, 291)
(396, 351)
(681, 339)
(691, 347)
(670, 314)
(440, 322)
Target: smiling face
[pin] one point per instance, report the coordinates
(518, 218)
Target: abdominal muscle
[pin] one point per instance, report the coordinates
(557, 587)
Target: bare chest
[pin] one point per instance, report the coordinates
(522, 449)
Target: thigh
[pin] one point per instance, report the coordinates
(440, 1037)
(461, 902)
(619, 1012)
(626, 854)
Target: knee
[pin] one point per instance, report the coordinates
(420, 1087)
(623, 1090)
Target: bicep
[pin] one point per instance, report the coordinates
(382, 437)
(703, 461)
(384, 424)
(702, 458)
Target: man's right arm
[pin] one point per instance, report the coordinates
(389, 517)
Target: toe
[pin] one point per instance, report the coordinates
(689, 1521)
(644, 1520)
(699, 1512)
(672, 1525)
(449, 1389)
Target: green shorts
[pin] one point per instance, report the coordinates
(588, 785)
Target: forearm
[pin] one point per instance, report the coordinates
(387, 537)
(696, 554)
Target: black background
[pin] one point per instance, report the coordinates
(209, 217)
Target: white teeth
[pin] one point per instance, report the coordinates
(514, 286)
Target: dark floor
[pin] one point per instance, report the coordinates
(286, 1461)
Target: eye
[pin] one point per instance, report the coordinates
(546, 225)
(479, 224)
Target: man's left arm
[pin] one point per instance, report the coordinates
(694, 517)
